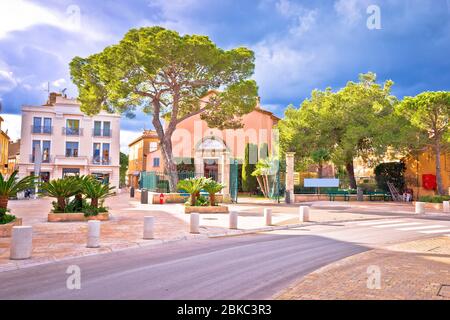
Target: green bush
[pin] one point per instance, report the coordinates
(434, 199)
(393, 172)
(90, 211)
(6, 218)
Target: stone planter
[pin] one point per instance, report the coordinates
(6, 229)
(76, 217)
(209, 209)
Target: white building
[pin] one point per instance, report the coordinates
(69, 141)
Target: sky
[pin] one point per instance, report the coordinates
(300, 45)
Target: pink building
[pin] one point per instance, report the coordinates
(211, 150)
(69, 142)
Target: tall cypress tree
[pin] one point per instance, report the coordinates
(249, 182)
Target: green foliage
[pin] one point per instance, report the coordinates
(265, 171)
(166, 73)
(61, 189)
(251, 158)
(11, 186)
(123, 168)
(434, 199)
(90, 211)
(4, 217)
(212, 187)
(96, 191)
(193, 186)
(357, 120)
(427, 125)
(393, 172)
(201, 202)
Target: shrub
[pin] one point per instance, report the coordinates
(62, 190)
(212, 187)
(90, 211)
(6, 218)
(393, 172)
(434, 199)
(193, 186)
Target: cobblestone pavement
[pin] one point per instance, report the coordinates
(413, 270)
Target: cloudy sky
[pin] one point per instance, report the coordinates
(300, 45)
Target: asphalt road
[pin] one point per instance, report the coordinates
(247, 267)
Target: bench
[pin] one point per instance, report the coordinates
(379, 195)
(339, 193)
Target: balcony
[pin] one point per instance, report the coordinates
(72, 131)
(102, 133)
(45, 159)
(41, 129)
(101, 161)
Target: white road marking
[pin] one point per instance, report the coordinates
(379, 222)
(422, 228)
(398, 225)
(435, 231)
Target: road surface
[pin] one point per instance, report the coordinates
(247, 267)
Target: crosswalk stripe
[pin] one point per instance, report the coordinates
(422, 228)
(435, 231)
(378, 222)
(398, 225)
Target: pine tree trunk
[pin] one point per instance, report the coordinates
(169, 164)
(351, 174)
(320, 170)
(440, 187)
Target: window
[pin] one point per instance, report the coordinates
(106, 129)
(72, 149)
(97, 128)
(105, 156)
(96, 152)
(36, 151)
(73, 127)
(155, 162)
(37, 124)
(46, 151)
(153, 146)
(47, 125)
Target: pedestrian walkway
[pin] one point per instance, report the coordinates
(424, 227)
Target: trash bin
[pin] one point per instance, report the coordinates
(144, 196)
(132, 192)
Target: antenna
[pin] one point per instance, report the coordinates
(48, 88)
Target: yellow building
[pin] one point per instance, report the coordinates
(425, 164)
(145, 146)
(4, 143)
(13, 156)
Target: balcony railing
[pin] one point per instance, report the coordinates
(103, 161)
(101, 133)
(45, 159)
(72, 131)
(41, 129)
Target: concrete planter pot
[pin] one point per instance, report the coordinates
(208, 209)
(6, 229)
(76, 217)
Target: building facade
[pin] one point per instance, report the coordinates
(4, 144)
(144, 155)
(66, 142)
(13, 156)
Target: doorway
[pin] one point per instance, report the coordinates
(211, 169)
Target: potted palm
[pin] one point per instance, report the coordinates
(197, 203)
(212, 187)
(61, 190)
(97, 192)
(9, 187)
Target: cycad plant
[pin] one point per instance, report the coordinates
(9, 187)
(212, 187)
(61, 189)
(81, 180)
(193, 186)
(95, 191)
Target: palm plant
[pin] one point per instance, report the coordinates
(212, 187)
(193, 186)
(81, 180)
(61, 189)
(11, 186)
(95, 190)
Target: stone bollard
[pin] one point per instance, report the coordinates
(21, 243)
(268, 216)
(149, 223)
(304, 214)
(233, 220)
(195, 223)
(446, 205)
(420, 207)
(93, 237)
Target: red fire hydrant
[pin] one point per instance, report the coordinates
(161, 198)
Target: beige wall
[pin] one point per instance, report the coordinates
(62, 110)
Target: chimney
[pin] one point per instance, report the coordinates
(52, 98)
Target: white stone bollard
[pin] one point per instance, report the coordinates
(195, 223)
(233, 220)
(446, 205)
(268, 216)
(21, 243)
(93, 237)
(420, 207)
(304, 214)
(149, 224)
